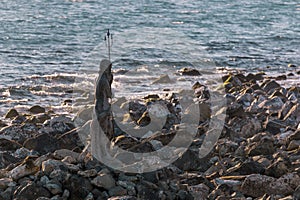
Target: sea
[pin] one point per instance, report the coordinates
(50, 51)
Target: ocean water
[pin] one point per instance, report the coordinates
(48, 48)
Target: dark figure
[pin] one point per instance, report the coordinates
(103, 95)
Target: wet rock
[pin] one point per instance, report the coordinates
(11, 114)
(189, 72)
(37, 109)
(31, 191)
(104, 180)
(292, 66)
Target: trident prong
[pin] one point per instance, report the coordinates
(108, 42)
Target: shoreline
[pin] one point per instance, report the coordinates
(257, 154)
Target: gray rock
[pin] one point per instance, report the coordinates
(50, 165)
(104, 179)
(117, 191)
(54, 188)
(88, 173)
(200, 191)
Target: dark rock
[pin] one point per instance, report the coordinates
(146, 192)
(270, 86)
(43, 143)
(8, 145)
(278, 168)
(70, 140)
(123, 198)
(31, 191)
(79, 187)
(255, 77)
(189, 72)
(37, 109)
(11, 113)
(292, 66)
(104, 180)
(190, 161)
(7, 159)
(117, 191)
(264, 147)
(274, 126)
(248, 167)
(295, 135)
(296, 194)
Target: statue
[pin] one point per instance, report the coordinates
(103, 95)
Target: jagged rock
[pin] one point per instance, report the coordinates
(190, 161)
(163, 79)
(117, 191)
(244, 127)
(28, 167)
(189, 72)
(296, 194)
(37, 109)
(8, 145)
(6, 182)
(264, 147)
(11, 114)
(270, 86)
(31, 191)
(62, 153)
(294, 144)
(256, 185)
(50, 165)
(78, 186)
(104, 179)
(88, 173)
(70, 140)
(123, 198)
(54, 188)
(200, 191)
(43, 143)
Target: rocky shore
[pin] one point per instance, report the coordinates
(256, 157)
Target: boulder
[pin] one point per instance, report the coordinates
(12, 113)
(43, 143)
(37, 109)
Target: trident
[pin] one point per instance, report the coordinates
(108, 42)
